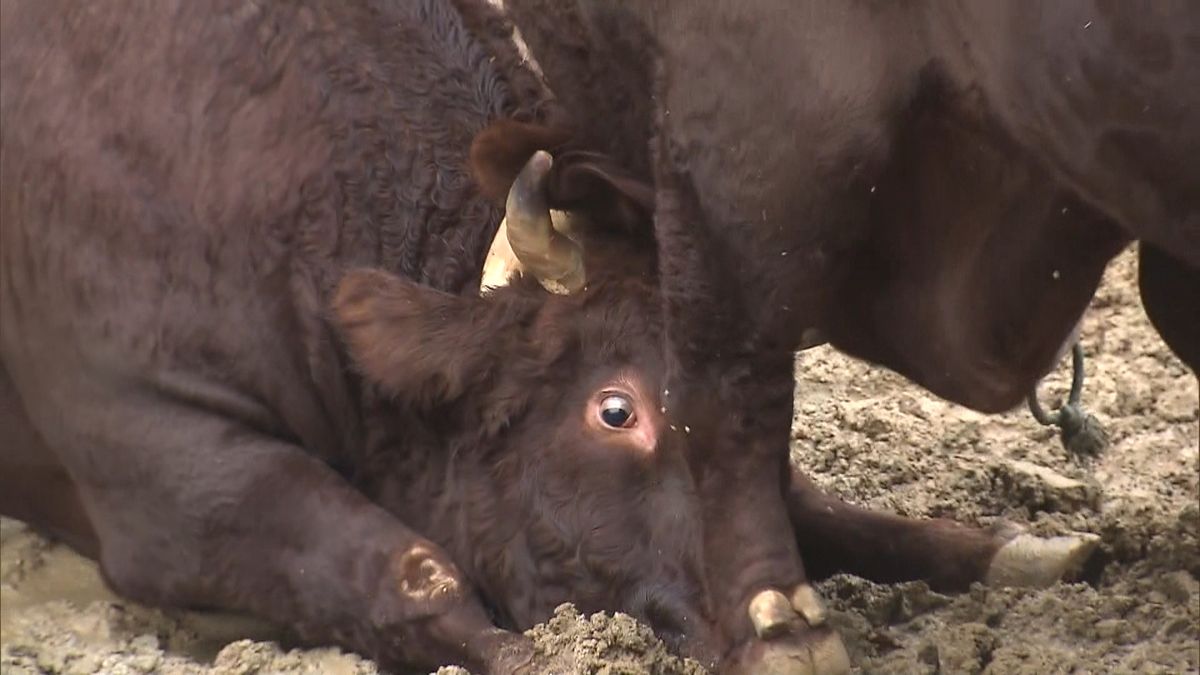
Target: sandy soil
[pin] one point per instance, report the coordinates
(869, 436)
(877, 440)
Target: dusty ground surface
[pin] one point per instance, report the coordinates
(874, 439)
(871, 437)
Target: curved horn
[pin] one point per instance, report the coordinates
(555, 260)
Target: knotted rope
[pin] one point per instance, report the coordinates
(1081, 433)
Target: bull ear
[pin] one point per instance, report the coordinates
(499, 152)
(593, 184)
(590, 183)
(414, 342)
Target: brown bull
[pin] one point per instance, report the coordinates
(933, 186)
(199, 390)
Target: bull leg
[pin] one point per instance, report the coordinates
(1169, 289)
(192, 509)
(838, 537)
(34, 486)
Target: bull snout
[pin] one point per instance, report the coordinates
(678, 619)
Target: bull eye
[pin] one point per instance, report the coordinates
(616, 411)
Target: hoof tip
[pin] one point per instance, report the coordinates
(1034, 562)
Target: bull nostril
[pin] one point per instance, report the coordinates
(673, 621)
(668, 625)
(684, 633)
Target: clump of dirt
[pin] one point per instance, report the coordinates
(60, 637)
(871, 437)
(600, 644)
(111, 638)
(606, 645)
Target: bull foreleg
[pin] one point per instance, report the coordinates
(838, 537)
(191, 509)
(1169, 293)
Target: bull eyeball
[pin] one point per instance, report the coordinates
(616, 411)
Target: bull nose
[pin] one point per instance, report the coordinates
(701, 650)
(681, 625)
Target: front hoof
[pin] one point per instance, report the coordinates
(1033, 562)
(807, 651)
(771, 614)
(792, 637)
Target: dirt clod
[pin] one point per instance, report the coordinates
(603, 644)
(1039, 488)
(1139, 607)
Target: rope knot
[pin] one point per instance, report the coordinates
(1080, 433)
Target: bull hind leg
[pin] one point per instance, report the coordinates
(1170, 291)
(34, 486)
(838, 537)
(192, 508)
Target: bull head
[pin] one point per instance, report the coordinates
(532, 238)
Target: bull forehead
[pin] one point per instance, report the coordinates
(620, 311)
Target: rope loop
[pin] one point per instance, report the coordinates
(1080, 432)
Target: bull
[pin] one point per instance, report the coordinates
(934, 187)
(245, 363)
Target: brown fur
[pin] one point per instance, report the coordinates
(499, 152)
(917, 134)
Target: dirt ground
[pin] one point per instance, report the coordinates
(871, 437)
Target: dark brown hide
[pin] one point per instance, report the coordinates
(794, 137)
(1171, 294)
